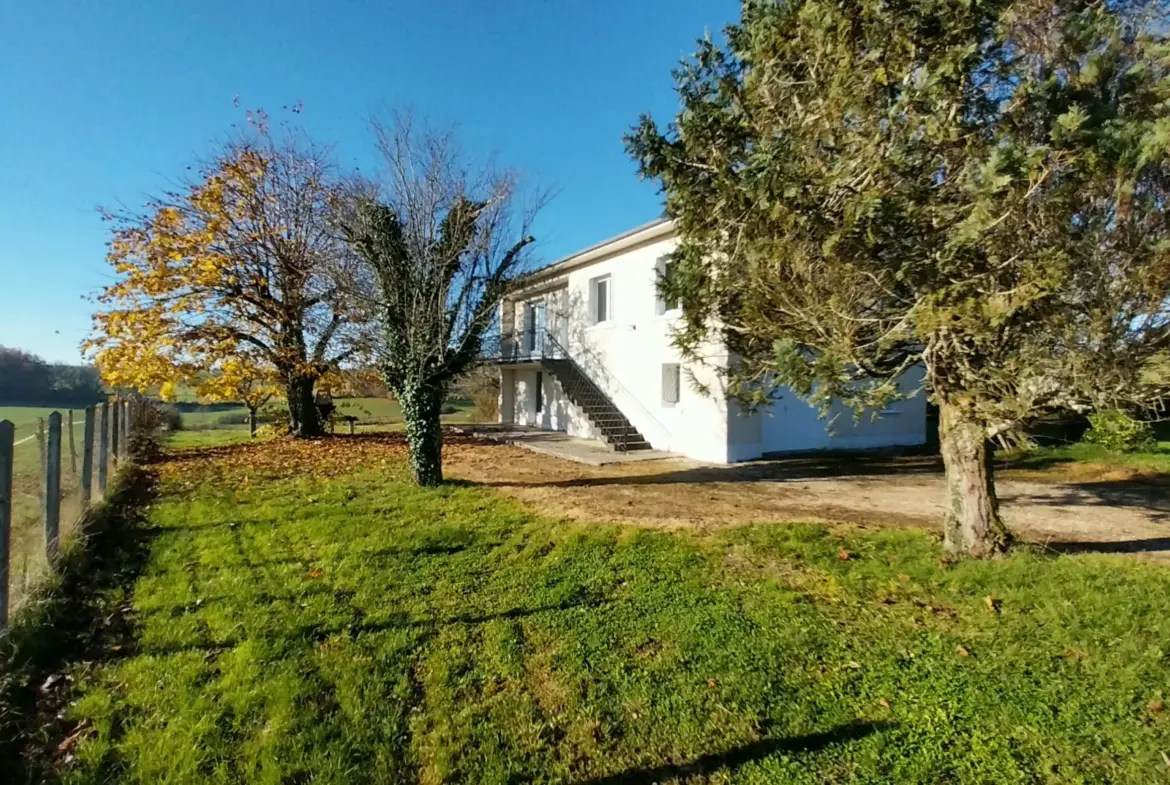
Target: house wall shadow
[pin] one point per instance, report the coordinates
(819, 465)
(738, 756)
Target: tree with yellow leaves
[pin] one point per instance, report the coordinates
(242, 264)
(239, 377)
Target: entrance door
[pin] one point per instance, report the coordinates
(535, 324)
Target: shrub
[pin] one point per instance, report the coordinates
(1118, 432)
(448, 409)
(170, 416)
(481, 386)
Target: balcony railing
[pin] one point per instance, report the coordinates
(523, 347)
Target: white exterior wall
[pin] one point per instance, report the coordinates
(792, 425)
(624, 356)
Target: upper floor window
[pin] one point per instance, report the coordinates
(666, 268)
(600, 299)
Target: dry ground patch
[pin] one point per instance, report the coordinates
(1073, 505)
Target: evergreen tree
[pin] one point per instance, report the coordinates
(978, 187)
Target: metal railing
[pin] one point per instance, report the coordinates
(537, 345)
(525, 346)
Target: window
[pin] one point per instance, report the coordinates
(539, 392)
(671, 383)
(600, 299)
(665, 269)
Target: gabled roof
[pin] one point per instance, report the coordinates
(661, 227)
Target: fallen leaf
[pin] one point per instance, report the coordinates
(843, 554)
(885, 704)
(70, 741)
(1155, 706)
(315, 573)
(903, 577)
(854, 665)
(962, 652)
(711, 683)
(993, 604)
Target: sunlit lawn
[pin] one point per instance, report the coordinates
(370, 413)
(304, 614)
(1086, 461)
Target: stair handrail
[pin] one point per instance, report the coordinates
(568, 356)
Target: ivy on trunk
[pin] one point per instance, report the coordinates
(442, 245)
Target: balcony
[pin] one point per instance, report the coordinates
(530, 346)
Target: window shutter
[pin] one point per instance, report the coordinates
(592, 301)
(671, 378)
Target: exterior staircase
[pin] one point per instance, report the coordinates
(616, 431)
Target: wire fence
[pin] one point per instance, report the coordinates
(53, 469)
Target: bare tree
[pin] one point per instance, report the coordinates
(443, 240)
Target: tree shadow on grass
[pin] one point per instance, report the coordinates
(738, 756)
(81, 616)
(826, 465)
(315, 634)
(1156, 545)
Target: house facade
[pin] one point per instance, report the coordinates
(586, 348)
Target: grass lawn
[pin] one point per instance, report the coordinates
(371, 412)
(1082, 461)
(299, 612)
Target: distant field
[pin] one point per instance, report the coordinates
(25, 417)
(27, 560)
(369, 412)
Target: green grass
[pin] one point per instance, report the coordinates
(1157, 462)
(27, 561)
(218, 437)
(371, 413)
(344, 626)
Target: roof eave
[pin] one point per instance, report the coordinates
(640, 234)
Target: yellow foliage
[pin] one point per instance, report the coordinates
(173, 315)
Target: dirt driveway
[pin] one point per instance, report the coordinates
(1071, 507)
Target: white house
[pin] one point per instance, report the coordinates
(586, 348)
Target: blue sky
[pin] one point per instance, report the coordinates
(103, 101)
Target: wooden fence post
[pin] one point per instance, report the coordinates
(7, 448)
(127, 408)
(87, 459)
(53, 491)
(104, 448)
(72, 445)
(115, 431)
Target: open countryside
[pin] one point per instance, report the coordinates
(837, 450)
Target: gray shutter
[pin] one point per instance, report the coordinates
(670, 383)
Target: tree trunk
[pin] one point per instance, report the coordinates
(421, 407)
(302, 408)
(252, 421)
(972, 526)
